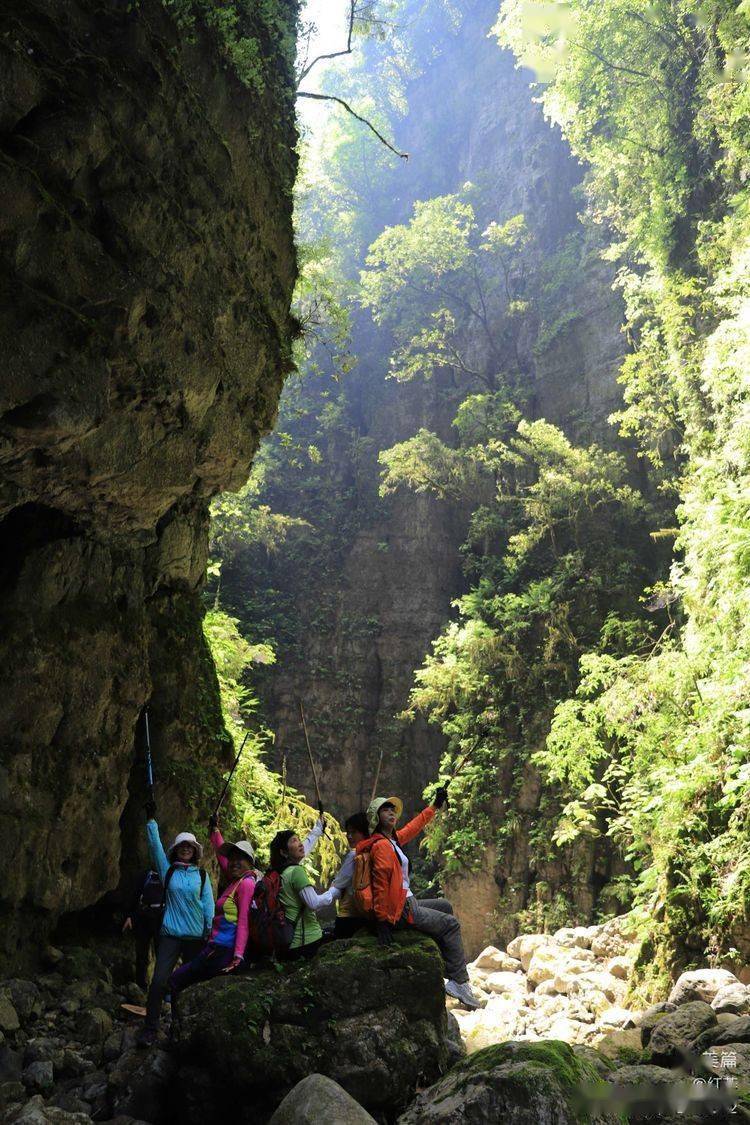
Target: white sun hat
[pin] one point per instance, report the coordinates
(186, 838)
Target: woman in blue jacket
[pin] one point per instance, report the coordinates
(188, 913)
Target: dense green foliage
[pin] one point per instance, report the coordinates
(260, 801)
(655, 747)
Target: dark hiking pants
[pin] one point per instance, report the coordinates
(434, 916)
(170, 950)
(145, 933)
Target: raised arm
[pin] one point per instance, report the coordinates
(314, 836)
(217, 841)
(415, 826)
(156, 848)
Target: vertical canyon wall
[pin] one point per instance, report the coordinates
(363, 606)
(146, 270)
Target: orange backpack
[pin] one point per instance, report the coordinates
(362, 884)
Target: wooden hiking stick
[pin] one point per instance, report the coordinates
(231, 775)
(309, 754)
(280, 805)
(462, 762)
(377, 776)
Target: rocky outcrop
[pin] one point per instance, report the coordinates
(514, 1083)
(372, 1020)
(146, 269)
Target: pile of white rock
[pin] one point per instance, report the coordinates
(572, 985)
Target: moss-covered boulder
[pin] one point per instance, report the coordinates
(371, 1019)
(514, 1083)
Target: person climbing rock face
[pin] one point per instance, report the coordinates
(225, 949)
(188, 913)
(393, 903)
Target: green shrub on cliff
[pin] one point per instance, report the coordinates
(655, 748)
(260, 802)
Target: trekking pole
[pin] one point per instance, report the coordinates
(231, 775)
(377, 776)
(463, 761)
(309, 754)
(149, 763)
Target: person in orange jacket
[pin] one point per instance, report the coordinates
(393, 902)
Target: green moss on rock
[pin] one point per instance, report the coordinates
(372, 1019)
(544, 1082)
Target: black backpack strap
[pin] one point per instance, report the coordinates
(167, 881)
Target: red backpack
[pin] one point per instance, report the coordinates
(270, 931)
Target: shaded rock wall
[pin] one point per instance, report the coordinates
(146, 269)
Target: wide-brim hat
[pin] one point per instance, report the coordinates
(243, 846)
(186, 838)
(375, 806)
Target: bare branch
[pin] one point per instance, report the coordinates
(333, 54)
(348, 108)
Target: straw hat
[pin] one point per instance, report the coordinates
(375, 806)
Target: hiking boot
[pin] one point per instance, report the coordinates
(461, 991)
(146, 1037)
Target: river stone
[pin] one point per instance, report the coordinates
(728, 1058)
(523, 947)
(39, 1076)
(512, 1084)
(544, 964)
(316, 1099)
(673, 1037)
(620, 967)
(617, 1017)
(9, 1020)
(590, 1055)
(736, 1031)
(372, 1019)
(507, 983)
(615, 937)
(139, 1085)
(648, 1020)
(612, 1042)
(94, 1025)
(579, 937)
(492, 960)
(732, 998)
(701, 984)
(25, 997)
(653, 1091)
(35, 1112)
(11, 1064)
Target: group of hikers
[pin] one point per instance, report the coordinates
(275, 913)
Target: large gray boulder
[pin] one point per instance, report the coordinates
(317, 1099)
(372, 1019)
(648, 1020)
(701, 984)
(673, 1038)
(513, 1084)
(733, 999)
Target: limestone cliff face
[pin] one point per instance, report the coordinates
(147, 263)
(363, 614)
